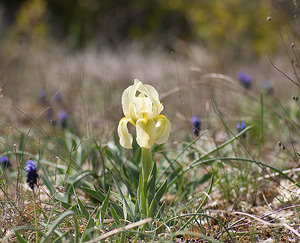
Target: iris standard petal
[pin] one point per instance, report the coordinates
(152, 93)
(163, 129)
(143, 107)
(145, 132)
(128, 98)
(124, 135)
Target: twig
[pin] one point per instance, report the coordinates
(276, 174)
(119, 230)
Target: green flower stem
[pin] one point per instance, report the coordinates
(142, 197)
(144, 176)
(146, 163)
(35, 217)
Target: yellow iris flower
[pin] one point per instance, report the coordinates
(142, 108)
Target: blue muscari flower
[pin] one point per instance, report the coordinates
(31, 174)
(42, 97)
(58, 96)
(49, 113)
(62, 118)
(5, 161)
(196, 125)
(240, 126)
(244, 79)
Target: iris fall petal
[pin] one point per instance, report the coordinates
(163, 129)
(145, 133)
(125, 137)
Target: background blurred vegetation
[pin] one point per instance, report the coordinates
(239, 24)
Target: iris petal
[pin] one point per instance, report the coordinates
(163, 129)
(152, 93)
(128, 101)
(124, 135)
(143, 107)
(145, 132)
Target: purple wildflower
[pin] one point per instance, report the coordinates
(58, 96)
(240, 126)
(42, 97)
(196, 125)
(49, 113)
(62, 118)
(244, 79)
(5, 161)
(31, 174)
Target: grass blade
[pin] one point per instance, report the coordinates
(123, 198)
(20, 238)
(55, 224)
(115, 216)
(99, 196)
(157, 198)
(104, 207)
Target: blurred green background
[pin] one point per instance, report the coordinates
(243, 26)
